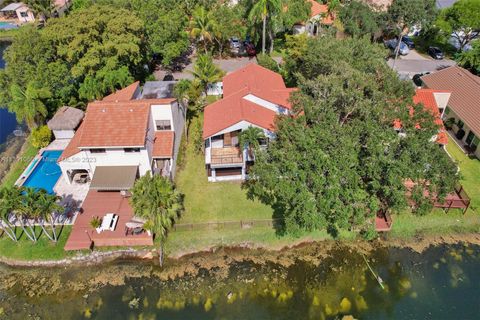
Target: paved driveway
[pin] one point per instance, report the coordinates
(414, 63)
(227, 65)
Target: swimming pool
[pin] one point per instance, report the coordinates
(7, 25)
(45, 175)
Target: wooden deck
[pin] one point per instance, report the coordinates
(383, 222)
(226, 156)
(97, 204)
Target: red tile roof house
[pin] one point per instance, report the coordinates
(463, 105)
(252, 96)
(122, 137)
(319, 17)
(435, 101)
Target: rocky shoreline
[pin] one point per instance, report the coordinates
(208, 258)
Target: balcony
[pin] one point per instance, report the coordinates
(227, 156)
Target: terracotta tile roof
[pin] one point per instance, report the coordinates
(465, 97)
(125, 94)
(254, 77)
(233, 109)
(321, 9)
(427, 98)
(122, 124)
(163, 144)
(72, 148)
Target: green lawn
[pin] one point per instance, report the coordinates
(470, 173)
(220, 201)
(44, 249)
(17, 168)
(438, 222)
(183, 242)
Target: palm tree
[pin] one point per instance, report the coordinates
(261, 10)
(46, 207)
(28, 211)
(250, 138)
(42, 8)
(206, 72)
(28, 104)
(203, 26)
(10, 200)
(155, 199)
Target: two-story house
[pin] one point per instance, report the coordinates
(122, 137)
(252, 96)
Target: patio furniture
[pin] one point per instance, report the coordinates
(109, 222)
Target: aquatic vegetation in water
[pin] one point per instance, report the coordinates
(134, 303)
(208, 305)
(345, 305)
(87, 313)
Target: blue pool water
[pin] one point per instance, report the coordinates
(45, 175)
(8, 25)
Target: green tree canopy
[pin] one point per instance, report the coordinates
(359, 19)
(462, 21)
(206, 72)
(470, 59)
(338, 160)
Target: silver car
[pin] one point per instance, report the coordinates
(392, 45)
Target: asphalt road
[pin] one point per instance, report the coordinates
(414, 63)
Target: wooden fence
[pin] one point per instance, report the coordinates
(221, 225)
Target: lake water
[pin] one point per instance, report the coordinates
(441, 283)
(7, 119)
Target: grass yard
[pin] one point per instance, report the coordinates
(470, 173)
(183, 242)
(437, 222)
(28, 153)
(220, 201)
(44, 249)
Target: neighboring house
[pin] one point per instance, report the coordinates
(252, 96)
(435, 102)
(463, 105)
(65, 122)
(319, 17)
(442, 4)
(122, 137)
(19, 12)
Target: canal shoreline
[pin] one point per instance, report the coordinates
(248, 251)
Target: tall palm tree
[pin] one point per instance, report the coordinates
(28, 104)
(27, 211)
(155, 199)
(206, 72)
(261, 10)
(10, 200)
(250, 138)
(203, 27)
(46, 205)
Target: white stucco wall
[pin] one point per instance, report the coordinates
(63, 134)
(266, 104)
(161, 112)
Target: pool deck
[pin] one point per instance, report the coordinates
(98, 204)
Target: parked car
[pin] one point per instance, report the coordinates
(436, 53)
(416, 78)
(235, 43)
(392, 45)
(250, 48)
(408, 41)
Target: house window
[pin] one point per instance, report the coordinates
(163, 125)
(207, 143)
(131, 150)
(460, 124)
(97, 151)
(263, 142)
(24, 14)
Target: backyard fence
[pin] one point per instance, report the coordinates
(217, 225)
